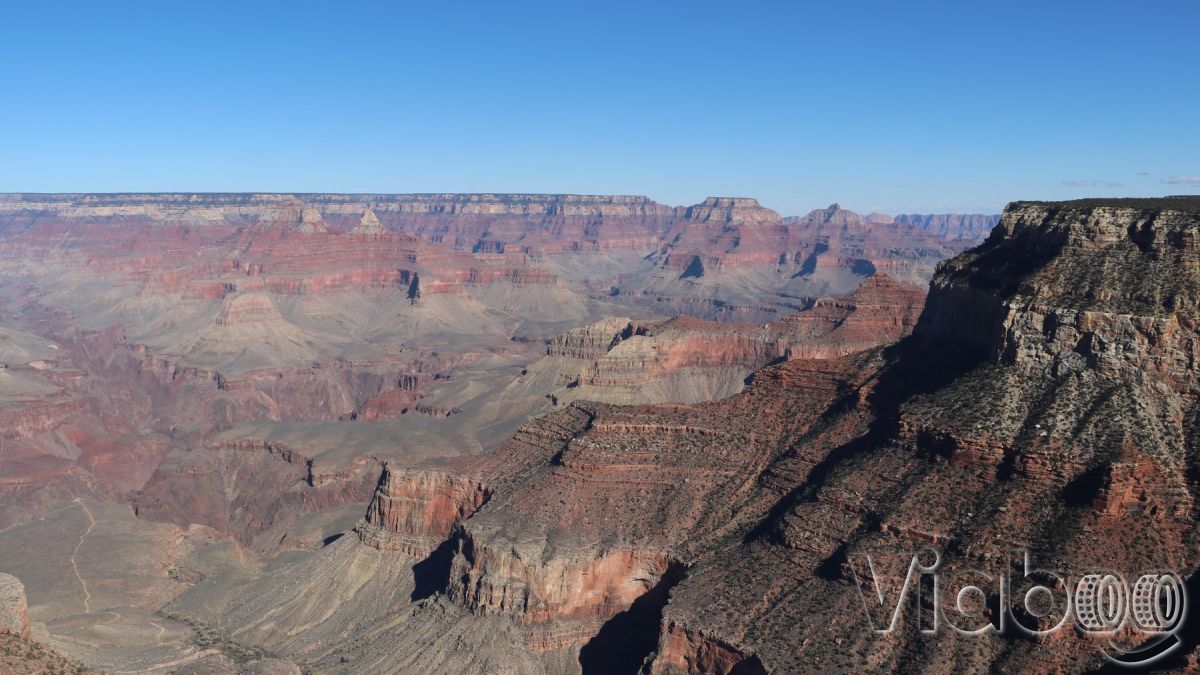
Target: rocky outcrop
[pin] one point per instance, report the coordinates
(22, 655)
(248, 308)
(1061, 287)
(880, 311)
(594, 340)
(215, 355)
(731, 211)
(582, 529)
(832, 218)
(311, 221)
(688, 360)
(725, 258)
(688, 651)
(555, 593)
(368, 225)
(14, 608)
(992, 429)
(730, 251)
(948, 438)
(413, 511)
(251, 490)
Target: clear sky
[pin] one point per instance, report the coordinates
(891, 106)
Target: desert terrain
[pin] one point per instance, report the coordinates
(560, 433)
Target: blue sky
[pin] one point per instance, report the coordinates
(892, 106)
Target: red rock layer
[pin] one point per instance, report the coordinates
(413, 511)
(593, 505)
(737, 233)
(933, 441)
(322, 243)
(688, 651)
(990, 431)
(626, 356)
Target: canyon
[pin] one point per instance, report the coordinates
(547, 433)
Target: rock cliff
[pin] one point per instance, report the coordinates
(14, 608)
(718, 537)
(242, 366)
(688, 360)
(413, 511)
(995, 427)
(1063, 287)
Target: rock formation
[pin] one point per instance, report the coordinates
(413, 511)
(688, 360)
(234, 372)
(14, 608)
(311, 221)
(726, 252)
(368, 226)
(1023, 439)
(721, 536)
(291, 244)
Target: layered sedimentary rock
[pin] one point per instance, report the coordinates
(621, 502)
(689, 360)
(842, 239)
(250, 490)
(539, 562)
(750, 264)
(207, 246)
(368, 225)
(14, 608)
(595, 339)
(731, 211)
(468, 222)
(723, 536)
(983, 442)
(880, 311)
(243, 365)
(1122, 304)
(413, 510)
(170, 319)
(246, 308)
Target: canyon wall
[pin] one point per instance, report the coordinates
(720, 536)
(258, 370)
(725, 258)
(14, 608)
(687, 360)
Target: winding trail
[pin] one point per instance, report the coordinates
(87, 597)
(183, 660)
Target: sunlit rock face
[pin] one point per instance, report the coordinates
(1062, 287)
(14, 608)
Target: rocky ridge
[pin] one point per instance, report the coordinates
(14, 608)
(726, 526)
(463, 245)
(242, 366)
(688, 360)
